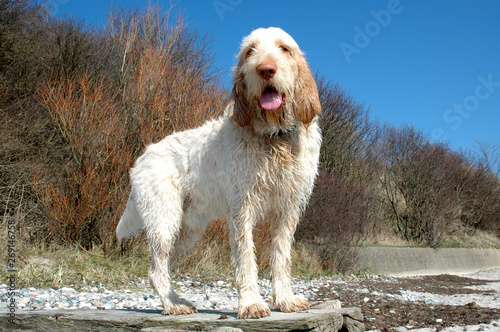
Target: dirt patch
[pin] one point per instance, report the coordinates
(380, 303)
(418, 315)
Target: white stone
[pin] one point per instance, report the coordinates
(24, 300)
(208, 304)
(109, 305)
(85, 305)
(68, 290)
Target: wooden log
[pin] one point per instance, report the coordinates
(345, 319)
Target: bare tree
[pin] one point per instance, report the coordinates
(479, 190)
(488, 155)
(347, 133)
(416, 184)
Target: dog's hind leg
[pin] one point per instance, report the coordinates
(163, 223)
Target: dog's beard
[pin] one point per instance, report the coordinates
(271, 101)
(278, 122)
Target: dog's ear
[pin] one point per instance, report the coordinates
(241, 113)
(307, 104)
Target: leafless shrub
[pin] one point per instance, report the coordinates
(348, 136)
(335, 221)
(431, 190)
(349, 161)
(487, 155)
(415, 185)
(164, 73)
(88, 106)
(478, 190)
(81, 205)
(18, 20)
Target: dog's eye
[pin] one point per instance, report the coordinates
(284, 49)
(250, 52)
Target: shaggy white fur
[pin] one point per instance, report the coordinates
(258, 160)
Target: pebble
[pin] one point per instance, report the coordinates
(218, 295)
(222, 295)
(67, 290)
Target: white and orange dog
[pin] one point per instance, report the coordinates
(258, 160)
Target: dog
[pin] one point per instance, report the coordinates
(258, 160)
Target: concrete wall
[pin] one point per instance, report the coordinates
(394, 261)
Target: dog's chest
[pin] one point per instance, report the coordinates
(278, 171)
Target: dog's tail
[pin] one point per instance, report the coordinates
(130, 223)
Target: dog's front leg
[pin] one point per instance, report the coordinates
(250, 302)
(283, 226)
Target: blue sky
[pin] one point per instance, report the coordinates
(432, 64)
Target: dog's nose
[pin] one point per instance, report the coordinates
(266, 70)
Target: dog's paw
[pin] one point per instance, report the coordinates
(292, 303)
(254, 310)
(179, 309)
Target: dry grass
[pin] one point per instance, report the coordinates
(65, 266)
(72, 267)
(480, 239)
(213, 251)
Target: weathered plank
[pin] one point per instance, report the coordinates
(347, 319)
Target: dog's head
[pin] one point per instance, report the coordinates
(273, 85)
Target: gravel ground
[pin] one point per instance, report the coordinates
(424, 304)
(430, 303)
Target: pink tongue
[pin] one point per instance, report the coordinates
(270, 100)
